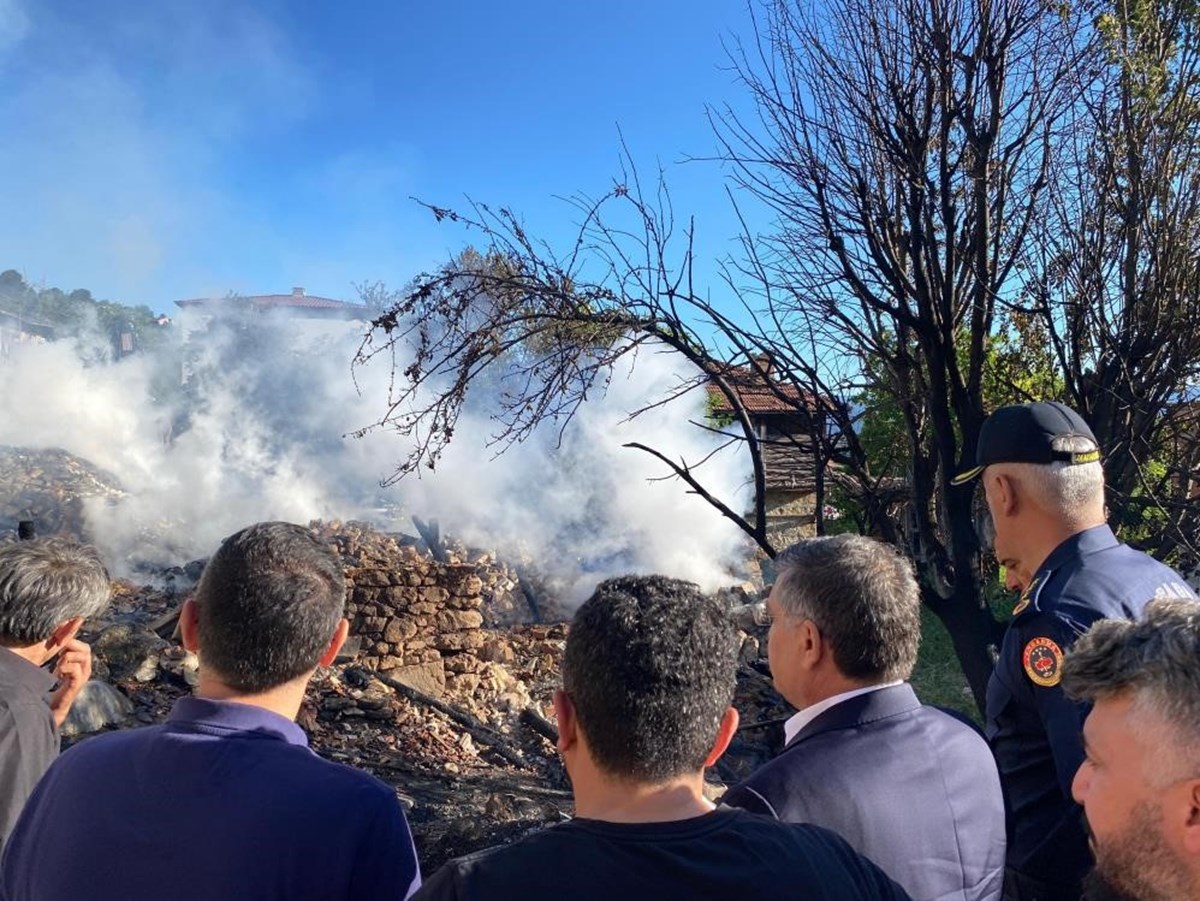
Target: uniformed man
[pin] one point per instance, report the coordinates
(1044, 485)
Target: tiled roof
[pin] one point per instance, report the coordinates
(756, 394)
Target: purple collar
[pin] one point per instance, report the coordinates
(224, 717)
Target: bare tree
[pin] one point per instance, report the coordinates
(1115, 270)
(911, 155)
(905, 149)
(552, 327)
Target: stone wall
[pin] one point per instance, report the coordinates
(791, 516)
(412, 618)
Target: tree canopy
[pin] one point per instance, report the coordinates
(73, 313)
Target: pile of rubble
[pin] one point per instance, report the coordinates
(455, 714)
(49, 487)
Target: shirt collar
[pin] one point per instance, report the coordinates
(1097, 538)
(220, 717)
(16, 669)
(792, 727)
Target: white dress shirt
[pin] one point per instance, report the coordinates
(792, 727)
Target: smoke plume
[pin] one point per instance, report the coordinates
(247, 418)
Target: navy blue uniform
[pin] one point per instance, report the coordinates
(1034, 730)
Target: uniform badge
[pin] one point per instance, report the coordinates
(1043, 662)
(1026, 597)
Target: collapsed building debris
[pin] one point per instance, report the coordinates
(49, 487)
(444, 690)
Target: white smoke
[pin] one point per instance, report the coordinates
(588, 507)
(258, 433)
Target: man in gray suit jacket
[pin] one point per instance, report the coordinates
(913, 788)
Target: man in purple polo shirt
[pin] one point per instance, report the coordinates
(224, 800)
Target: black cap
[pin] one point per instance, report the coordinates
(1024, 433)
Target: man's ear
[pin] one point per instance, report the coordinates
(568, 724)
(189, 626)
(1001, 491)
(725, 733)
(809, 644)
(335, 643)
(1191, 831)
(64, 632)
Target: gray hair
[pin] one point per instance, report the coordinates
(46, 582)
(1156, 660)
(862, 596)
(1075, 491)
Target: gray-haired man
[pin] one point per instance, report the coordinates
(48, 587)
(910, 787)
(1139, 783)
(1039, 465)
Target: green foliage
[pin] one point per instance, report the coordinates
(715, 414)
(884, 434)
(1146, 520)
(501, 280)
(938, 677)
(1020, 366)
(75, 314)
(1144, 38)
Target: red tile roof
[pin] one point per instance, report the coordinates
(756, 394)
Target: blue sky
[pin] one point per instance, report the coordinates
(152, 151)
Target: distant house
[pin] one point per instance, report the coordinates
(198, 315)
(16, 329)
(784, 419)
(297, 303)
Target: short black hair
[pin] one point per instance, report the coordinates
(863, 597)
(650, 667)
(267, 605)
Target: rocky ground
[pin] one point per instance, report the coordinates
(48, 487)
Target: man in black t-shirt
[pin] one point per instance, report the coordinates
(648, 677)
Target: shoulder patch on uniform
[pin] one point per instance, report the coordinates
(1043, 659)
(1026, 596)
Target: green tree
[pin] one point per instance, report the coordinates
(77, 314)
